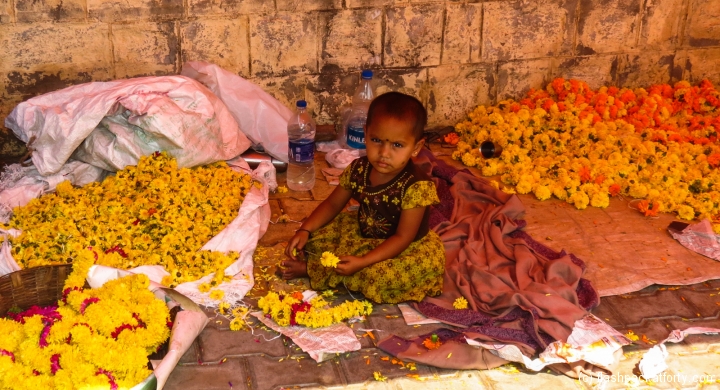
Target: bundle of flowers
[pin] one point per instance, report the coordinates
(584, 146)
(149, 214)
(291, 309)
(93, 338)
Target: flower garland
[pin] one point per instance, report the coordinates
(93, 338)
(291, 309)
(584, 146)
(149, 214)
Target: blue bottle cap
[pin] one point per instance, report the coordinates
(301, 103)
(367, 74)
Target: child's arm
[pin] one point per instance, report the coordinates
(324, 213)
(410, 220)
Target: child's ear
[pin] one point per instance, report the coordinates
(418, 147)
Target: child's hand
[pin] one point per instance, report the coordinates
(296, 244)
(348, 265)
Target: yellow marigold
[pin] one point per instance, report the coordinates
(523, 187)
(217, 294)
(328, 259)
(600, 199)
(469, 160)
(686, 212)
(204, 287)
(580, 200)
(542, 193)
(638, 191)
(460, 303)
(223, 307)
(237, 323)
(282, 189)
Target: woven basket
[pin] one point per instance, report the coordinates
(41, 286)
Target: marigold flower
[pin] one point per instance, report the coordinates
(460, 303)
(432, 342)
(237, 323)
(328, 259)
(217, 294)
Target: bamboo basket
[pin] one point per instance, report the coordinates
(40, 286)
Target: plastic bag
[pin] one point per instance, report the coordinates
(260, 116)
(18, 184)
(112, 124)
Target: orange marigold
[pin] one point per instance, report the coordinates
(585, 174)
(650, 209)
(451, 138)
(614, 189)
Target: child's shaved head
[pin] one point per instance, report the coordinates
(401, 107)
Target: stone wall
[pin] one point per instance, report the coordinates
(453, 55)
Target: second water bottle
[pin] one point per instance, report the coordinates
(301, 150)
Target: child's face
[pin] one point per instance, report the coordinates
(390, 143)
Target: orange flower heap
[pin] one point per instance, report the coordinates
(583, 146)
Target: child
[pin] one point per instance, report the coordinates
(386, 248)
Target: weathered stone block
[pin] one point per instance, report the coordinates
(11, 148)
(461, 43)
(607, 26)
(210, 376)
(6, 11)
(204, 7)
(643, 70)
(456, 90)
(223, 42)
(283, 43)
(29, 11)
(661, 24)
(145, 49)
(413, 35)
(287, 89)
(133, 10)
(264, 373)
(703, 23)
(350, 39)
(595, 70)
(367, 3)
(517, 77)
(328, 93)
(702, 64)
(308, 5)
(39, 58)
(527, 29)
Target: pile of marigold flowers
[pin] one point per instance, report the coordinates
(150, 214)
(585, 146)
(93, 338)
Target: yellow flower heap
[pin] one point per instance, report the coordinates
(149, 214)
(291, 310)
(584, 146)
(94, 338)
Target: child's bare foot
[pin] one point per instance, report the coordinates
(292, 269)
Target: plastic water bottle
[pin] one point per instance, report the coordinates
(355, 128)
(301, 150)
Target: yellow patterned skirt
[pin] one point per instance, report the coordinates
(416, 272)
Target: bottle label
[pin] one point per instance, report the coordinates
(301, 152)
(356, 137)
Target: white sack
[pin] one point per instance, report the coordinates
(19, 185)
(260, 116)
(169, 113)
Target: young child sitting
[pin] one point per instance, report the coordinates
(386, 248)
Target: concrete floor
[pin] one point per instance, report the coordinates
(223, 359)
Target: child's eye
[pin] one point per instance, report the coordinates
(376, 140)
(398, 145)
